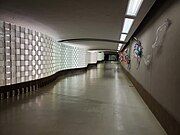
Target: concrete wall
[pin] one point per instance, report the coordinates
(162, 78)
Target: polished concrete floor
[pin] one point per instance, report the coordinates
(101, 101)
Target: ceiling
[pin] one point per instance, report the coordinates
(71, 19)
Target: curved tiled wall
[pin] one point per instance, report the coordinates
(27, 55)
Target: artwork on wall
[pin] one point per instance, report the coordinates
(27, 55)
(160, 36)
(121, 56)
(138, 49)
(138, 52)
(125, 57)
(161, 33)
(128, 58)
(147, 59)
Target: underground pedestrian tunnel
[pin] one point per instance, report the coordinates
(89, 67)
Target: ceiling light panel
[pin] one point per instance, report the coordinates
(127, 25)
(119, 46)
(133, 7)
(123, 37)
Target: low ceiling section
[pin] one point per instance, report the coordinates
(73, 19)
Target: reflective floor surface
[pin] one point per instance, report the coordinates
(101, 101)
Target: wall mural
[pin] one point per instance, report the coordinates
(27, 55)
(138, 49)
(138, 52)
(125, 57)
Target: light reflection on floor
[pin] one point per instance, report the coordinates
(98, 102)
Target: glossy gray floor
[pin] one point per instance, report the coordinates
(101, 101)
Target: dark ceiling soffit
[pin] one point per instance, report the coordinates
(154, 9)
(91, 39)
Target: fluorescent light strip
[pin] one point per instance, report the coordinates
(119, 46)
(133, 7)
(123, 37)
(127, 25)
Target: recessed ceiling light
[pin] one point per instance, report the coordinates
(127, 25)
(119, 46)
(133, 7)
(123, 37)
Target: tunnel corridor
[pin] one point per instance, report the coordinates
(89, 67)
